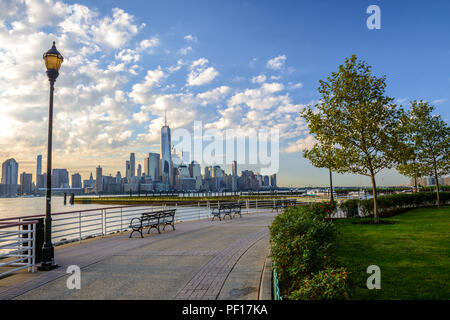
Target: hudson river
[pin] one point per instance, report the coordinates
(15, 207)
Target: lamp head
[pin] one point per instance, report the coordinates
(53, 60)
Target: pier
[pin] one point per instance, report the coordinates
(201, 259)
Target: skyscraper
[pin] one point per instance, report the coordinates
(10, 172)
(38, 166)
(139, 170)
(166, 159)
(26, 181)
(234, 177)
(60, 178)
(151, 166)
(234, 168)
(99, 180)
(127, 169)
(132, 165)
(76, 180)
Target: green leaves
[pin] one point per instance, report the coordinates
(355, 123)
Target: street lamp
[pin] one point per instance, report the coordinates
(53, 60)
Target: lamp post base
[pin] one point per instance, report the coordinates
(47, 267)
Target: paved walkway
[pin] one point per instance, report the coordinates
(200, 260)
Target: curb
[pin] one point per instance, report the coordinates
(265, 287)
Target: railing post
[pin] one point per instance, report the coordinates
(257, 205)
(121, 227)
(103, 224)
(33, 259)
(79, 225)
(198, 205)
(247, 204)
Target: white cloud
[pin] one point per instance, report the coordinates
(301, 144)
(190, 38)
(201, 74)
(149, 43)
(276, 63)
(293, 86)
(115, 31)
(259, 79)
(140, 92)
(185, 51)
(437, 101)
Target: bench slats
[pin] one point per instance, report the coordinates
(154, 219)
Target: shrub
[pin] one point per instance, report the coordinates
(303, 242)
(395, 203)
(349, 207)
(326, 284)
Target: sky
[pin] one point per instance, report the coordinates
(239, 65)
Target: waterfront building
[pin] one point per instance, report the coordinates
(139, 170)
(196, 173)
(166, 156)
(89, 184)
(60, 178)
(38, 167)
(151, 166)
(132, 165)
(98, 180)
(127, 169)
(41, 181)
(273, 180)
(76, 181)
(26, 183)
(118, 178)
(10, 172)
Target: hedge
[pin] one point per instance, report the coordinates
(394, 203)
(303, 245)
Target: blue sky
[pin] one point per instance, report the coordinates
(233, 43)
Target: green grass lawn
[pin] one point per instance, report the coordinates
(413, 255)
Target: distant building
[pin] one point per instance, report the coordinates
(76, 181)
(132, 165)
(446, 181)
(38, 167)
(99, 180)
(139, 170)
(196, 173)
(26, 183)
(166, 156)
(151, 166)
(60, 178)
(273, 180)
(10, 173)
(127, 169)
(89, 184)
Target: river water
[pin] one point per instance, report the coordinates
(20, 207)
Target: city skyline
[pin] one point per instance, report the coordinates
(112, 93)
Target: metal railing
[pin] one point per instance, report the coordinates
(17, 246)
(83, 224)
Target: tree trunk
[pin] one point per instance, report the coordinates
(376, 218)
(415, 183)
(331, 187)
(437, 187)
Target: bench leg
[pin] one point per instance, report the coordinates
(131, 234)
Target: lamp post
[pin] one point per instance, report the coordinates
(53, 60)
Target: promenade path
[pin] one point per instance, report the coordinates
(199, 260)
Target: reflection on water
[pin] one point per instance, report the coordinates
(17, 207)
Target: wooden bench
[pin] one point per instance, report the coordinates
(151, 220)
(227, 209)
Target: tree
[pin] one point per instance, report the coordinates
(323, 155)
(429, 138)
(359, 120)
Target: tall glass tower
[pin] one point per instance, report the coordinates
(166, 160)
